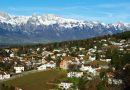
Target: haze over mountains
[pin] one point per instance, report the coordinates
(51, 28)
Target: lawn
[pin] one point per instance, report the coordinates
(36, 81)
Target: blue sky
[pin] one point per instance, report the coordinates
(101, 10)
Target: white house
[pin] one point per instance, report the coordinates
(92, 57)
(38, 49)
(4, 76)
(58, 55)
(75, 74)
(43, 61)
(121, 49)
(114, 81)
(19, 69)
(92, 50)
(51, 64)
(81, 55)
(11, 55)
(105, 45)
(105, 60)
(56, 50)
(103, 40)
(89, 69)
(116, 44)
(65, 86)
(53, 56)
(64, 54)
(81, 48)
(44, 66)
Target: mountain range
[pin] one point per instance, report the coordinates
(52, 28)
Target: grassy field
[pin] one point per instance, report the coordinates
(36, 81)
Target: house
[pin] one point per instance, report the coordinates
(64, 64)
(65, 86)
(105, 45)
(51, 64)
(114, 81)
(64, 54)
(116, 44)
(81, 49)
(43, 61)
(103, 40)
(44, 66)
(95, 47)
(75, 74)
(88, 69)
(53, 57)
(38, 49)
(45, 53)
(91, 70)
(7, 50)
(123, 41)
(92, 50)
(56, 50)
(81, 55)
(104, 66)
(11, 55)
(58, 55)
(121, 49)
(92, 57)
(4, 76)
(108, 60)
(110, 75)
(79, 60)
(19, 69)
(105, 60)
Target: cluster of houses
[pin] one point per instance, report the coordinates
(112, 80)
(47, 65)
(4, 75)
(43, 59)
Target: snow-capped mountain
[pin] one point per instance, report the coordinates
(42, 28)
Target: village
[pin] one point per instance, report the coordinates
(77, 61)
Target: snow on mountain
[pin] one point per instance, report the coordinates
(40, 28)
(51, 19)
(35, 19)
